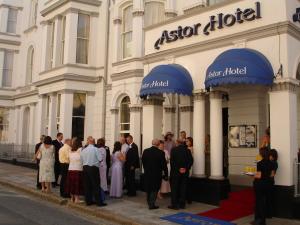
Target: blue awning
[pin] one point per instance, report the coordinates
(170, 78)
(239, 66)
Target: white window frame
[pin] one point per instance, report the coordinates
(12, 21)
(124, 33)
(52, 44)
(120, 116)
(86, 39)
(33, 13)
(30, 65)
(7, 71)
(63, 39)
(157, 20)
(5, 125)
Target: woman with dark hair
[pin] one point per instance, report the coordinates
(262, 185)
(47, 159)
(74, 184)
(103, 167)
(273, 156)
(118, 158)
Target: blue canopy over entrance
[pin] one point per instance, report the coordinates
(171, 78)
(239, 66)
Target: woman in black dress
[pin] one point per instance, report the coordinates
(262, 185)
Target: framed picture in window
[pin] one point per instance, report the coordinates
(242, 136)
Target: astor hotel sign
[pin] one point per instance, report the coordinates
(216, 22)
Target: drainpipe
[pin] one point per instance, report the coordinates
(107, 25)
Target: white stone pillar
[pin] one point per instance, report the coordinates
(18, 126)
(32, 123)
(169, 119)
(57, 41)
(135, 124)
(71, 37)
(283, 128)
(41, 117)
(46, 42)
(199, 135)
(137, 31)
(52, 129)
(152, 120)
(114, 125)
(170, 10)
(116, 39)
(89, 119)
(186, 119)
(66, 113)
(4, 17)
(216, 136)
(2, 55)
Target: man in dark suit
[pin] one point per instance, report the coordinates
(155, 167)
(181, 162)
(57, 145)
(108, 159)
(131, 164)
(37, 147)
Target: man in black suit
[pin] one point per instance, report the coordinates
(37, 147)
(181, 162)
(108, 160)
(155, 167)
(131, 164)
(57, 145)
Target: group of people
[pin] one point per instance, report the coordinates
(84, 170)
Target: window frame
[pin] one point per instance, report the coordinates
(125, 32)
(30, 65)
(52, 45)
(154, 2)
(85, 39)
(125, 101)
(3, 125)
(10, 21)
(9, 70)
(33, 13)
(63, 39)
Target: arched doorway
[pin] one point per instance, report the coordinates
(25, 129)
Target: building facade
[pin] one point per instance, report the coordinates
(78, 67)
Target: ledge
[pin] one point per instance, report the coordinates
(127, 74)
(31, 28)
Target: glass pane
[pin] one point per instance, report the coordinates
(7, 69)
(127, 19)
(12, 20)
(4, 113)
(83, 26)
(125, 114)
(154, 13)
(78, 127)
(82, 51)
(127, 45)
(79, 103)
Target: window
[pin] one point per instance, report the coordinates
(212, 2)
(83, 32)
(48, 112)
(127, 32)
(12, 21)
(58, 112)
(125, 116)
(7, 69)
(33, 12)
(154, 13)
(4, 113)
(79, 105)
(30, 60)
(52, 33)
(63, 38)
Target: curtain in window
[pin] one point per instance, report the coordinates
(127, 32)
(7, 69)
(29, 66)
(4, 122)
(83, 32)
(78, 119)
(12, 21)
(154, 13)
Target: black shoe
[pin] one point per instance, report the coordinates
(153, 207)
(173, 207)
(102, 204)
(89, 203)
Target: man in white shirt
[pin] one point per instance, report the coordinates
(91, 158)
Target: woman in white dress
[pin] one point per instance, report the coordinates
(103, 166)
(46, 156)
(165, 185)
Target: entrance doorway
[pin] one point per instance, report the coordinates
(225, 142)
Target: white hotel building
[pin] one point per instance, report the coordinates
(224, 69)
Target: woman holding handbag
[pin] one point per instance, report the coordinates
(46, 156)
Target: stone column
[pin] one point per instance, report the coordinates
(46, 42)
(186, 119)
(57, 41)
(32, 123)
(169, 119)
(71, 37)
(152, 119)
(216, 136)
(41, 117)
(89, 123)
(52, 128)
(115, 135)
(170, 9)
(18, 126)
(116, 37)
(283, 127)
(66, 113)
(2, 55)
(199, 135)
(137, 32)
(12, 125)
(135, 124)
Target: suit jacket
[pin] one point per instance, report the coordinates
(108, 160)
(181, 157)
(155, 166)
(57, 146)
(132, 157)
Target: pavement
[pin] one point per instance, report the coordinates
(127, 210)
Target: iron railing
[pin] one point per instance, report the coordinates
(21, 153)
(297, 178)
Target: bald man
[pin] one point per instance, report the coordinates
(155, 167)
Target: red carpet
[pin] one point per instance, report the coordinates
(239, 204)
